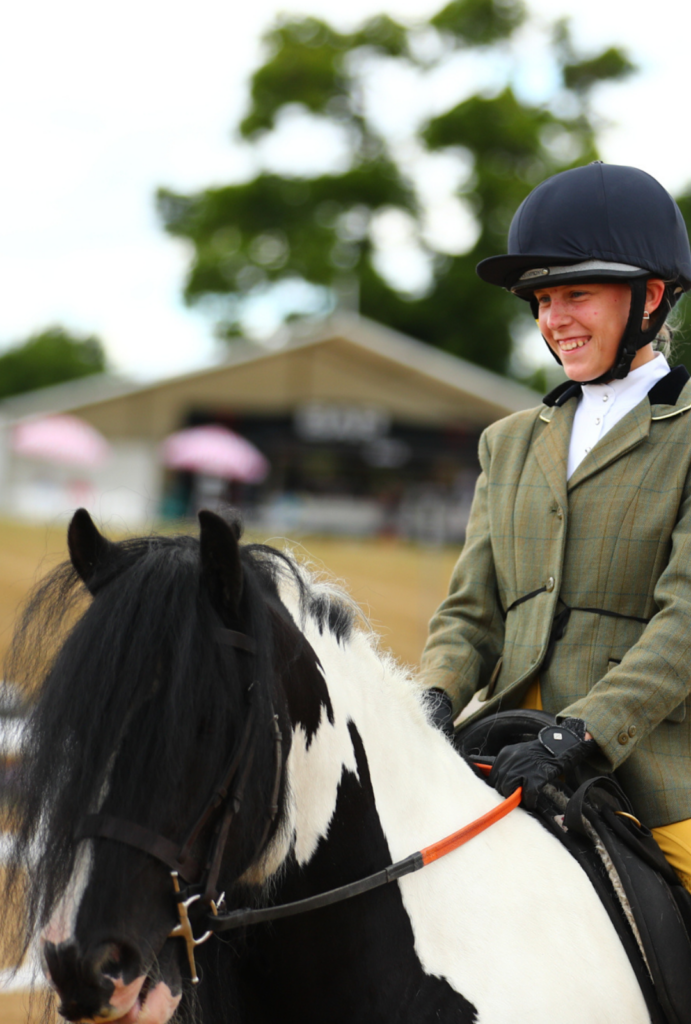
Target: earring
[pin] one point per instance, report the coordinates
(646, 315)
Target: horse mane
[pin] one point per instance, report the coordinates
(142, 652)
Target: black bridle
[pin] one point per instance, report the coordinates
(201, 877)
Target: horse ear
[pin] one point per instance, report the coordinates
(221, 565)
(88, 548)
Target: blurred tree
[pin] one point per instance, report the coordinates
(681, 317)
(362, 230)
(51, 356)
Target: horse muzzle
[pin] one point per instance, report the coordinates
(95, 987)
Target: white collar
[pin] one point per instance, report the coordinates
(639, 381)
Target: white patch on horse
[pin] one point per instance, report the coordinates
(63, 919)
(62, 923)
(329, 753)
(480, 917)
(304, 823)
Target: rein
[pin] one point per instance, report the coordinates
(246, 916)
(201, 880)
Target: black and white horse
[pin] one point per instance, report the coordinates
(191, 656)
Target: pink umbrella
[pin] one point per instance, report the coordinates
(60, 438)
(214, 451)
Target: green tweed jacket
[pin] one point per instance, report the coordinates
(614, 546)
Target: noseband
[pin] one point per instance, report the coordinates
(201, 877)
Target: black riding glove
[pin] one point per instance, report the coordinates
(532, 765)
(440, 709)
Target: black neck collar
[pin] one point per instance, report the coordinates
(666, 391)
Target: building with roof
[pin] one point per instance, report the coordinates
(366, 430)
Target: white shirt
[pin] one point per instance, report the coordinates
(601, 406)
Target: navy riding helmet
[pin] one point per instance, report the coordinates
(601, 222)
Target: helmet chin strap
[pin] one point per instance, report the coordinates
(634, 337)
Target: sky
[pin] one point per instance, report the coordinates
(103, 103)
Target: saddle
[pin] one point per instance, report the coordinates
(591, 816)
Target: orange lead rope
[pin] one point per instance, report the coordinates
(456, 839)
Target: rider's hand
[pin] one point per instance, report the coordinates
(537, 762)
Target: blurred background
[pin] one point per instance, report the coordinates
(237, 261)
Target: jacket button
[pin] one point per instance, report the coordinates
(560, 514)
(623, 738)
(632, 730)
(549, 585)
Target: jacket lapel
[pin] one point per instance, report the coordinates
(552, 447)
(669, 397)
(628, 433)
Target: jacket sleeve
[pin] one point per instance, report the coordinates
(654, 677)
(467, 630)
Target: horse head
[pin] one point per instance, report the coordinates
(155, 755)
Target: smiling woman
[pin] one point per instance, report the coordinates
(573, 591)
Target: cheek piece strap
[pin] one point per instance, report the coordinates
(633, 338)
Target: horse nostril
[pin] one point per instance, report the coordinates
(83, 988)
(119, 960)
(111, 967)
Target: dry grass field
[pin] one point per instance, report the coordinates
(15, 1009)
(398, 585)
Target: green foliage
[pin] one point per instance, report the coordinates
(50, 357)
(250, 233)
(681, 317)
(480, 22)
(303, 68)
(307, 66)
(321, 228)
(580, 75)
(610, 65)
(382, 34)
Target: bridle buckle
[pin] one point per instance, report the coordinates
(183, 930)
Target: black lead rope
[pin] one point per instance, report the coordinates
(246, 915)
(561, 620)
